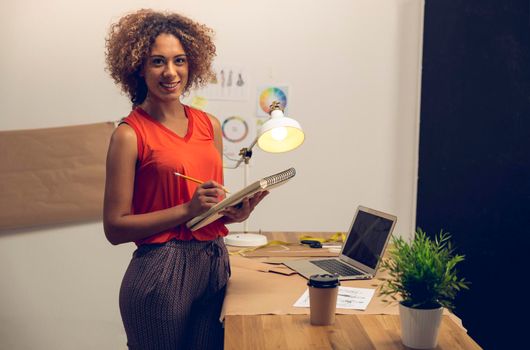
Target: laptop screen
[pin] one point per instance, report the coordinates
(367, 238)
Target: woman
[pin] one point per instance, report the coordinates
(173, 289)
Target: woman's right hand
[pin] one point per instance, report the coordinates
(206, 196)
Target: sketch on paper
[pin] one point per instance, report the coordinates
(229, 84)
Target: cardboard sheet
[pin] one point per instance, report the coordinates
(254, 265)
(52, 176)
(292, 250)
(253, 291)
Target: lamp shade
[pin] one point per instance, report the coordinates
(280, 134)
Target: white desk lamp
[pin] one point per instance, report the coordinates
(278, 134)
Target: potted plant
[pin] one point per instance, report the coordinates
(422, 277)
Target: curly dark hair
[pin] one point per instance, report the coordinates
(129, 43)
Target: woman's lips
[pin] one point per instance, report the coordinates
(170, 86)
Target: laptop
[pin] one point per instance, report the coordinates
(360, 255)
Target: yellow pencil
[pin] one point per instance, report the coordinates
(197, 181)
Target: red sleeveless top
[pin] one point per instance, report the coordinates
(161, 152)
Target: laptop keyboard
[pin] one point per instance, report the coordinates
(334, 266)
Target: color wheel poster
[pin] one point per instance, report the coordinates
(236, 135)
(269, 94)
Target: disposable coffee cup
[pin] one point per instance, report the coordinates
(323, 291)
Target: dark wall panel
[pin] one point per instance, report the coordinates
(474, 165)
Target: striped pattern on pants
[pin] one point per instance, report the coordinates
(172, 293)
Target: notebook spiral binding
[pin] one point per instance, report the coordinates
(280, 177)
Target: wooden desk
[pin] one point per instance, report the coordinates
(349, 332)
(352, 331)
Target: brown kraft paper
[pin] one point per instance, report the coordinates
(254, 292)
(53, 175)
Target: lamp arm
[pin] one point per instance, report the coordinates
(253, 144)
(246, 154)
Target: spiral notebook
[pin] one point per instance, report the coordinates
(264, 184)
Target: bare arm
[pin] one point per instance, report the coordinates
(120, 225)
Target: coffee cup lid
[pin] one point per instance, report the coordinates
(323, 281)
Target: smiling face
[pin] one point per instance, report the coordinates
(166, 69)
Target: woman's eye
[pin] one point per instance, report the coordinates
(180, 61)
(157, 61)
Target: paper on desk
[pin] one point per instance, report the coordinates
(348, 298)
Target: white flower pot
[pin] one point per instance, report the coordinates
(419, 327)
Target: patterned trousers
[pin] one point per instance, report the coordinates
(172, 293)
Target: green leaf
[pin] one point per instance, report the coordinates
(422, 272)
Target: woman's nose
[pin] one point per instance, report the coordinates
(171, 70)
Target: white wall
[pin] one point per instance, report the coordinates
(353, 69)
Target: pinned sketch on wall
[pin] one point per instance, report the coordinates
(236, 135)
(197, 102)
(267, 95)
(230, 83)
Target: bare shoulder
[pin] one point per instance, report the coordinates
(124, 133)
(123, 141)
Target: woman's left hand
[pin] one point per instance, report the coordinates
(241, 212)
